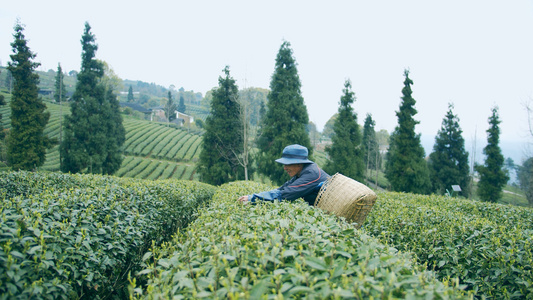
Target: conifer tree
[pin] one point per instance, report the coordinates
(2, 133)
(60, 91)
(222, 141)
(286, 118)
(525, 178)
(492, 177)
(59, 96)
(9, 81)
(405, 168)
(26, 142)
(449, 160)
(130, 95)
(369, 144)
(181, 105)
(170, 109)
(94, 133)
(345, 151)
(116, 133)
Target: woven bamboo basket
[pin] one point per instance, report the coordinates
(346, 198)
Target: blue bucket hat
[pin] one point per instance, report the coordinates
(294, 154)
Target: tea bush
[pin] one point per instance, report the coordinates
(489, 247)
(276, 251)
(78, 236)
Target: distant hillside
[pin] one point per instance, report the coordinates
(151, 151)
(146, 94)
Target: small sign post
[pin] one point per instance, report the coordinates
(456, 188)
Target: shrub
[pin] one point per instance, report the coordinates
(277, 251)
(487, 246)
(79, 236)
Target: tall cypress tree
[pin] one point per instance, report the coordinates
(449, 160)
(170, 108)
(130, 95)
(286, 118)
(181, 106)
(94, 133)
(115, 132)
(369, 145)
(345, 152)
(2, 134)
(405, 168)
(60, 91)
(222, 141)
(525, 178)
(26, 142)
(492, 177)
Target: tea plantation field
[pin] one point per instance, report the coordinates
(80, 236)
(88, 236)
(488, 246)
(151, 151)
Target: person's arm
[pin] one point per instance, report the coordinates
(271, 196)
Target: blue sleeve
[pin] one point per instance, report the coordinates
(265, 196)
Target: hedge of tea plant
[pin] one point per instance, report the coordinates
(277, 251)
(79, 236)
(489, 247)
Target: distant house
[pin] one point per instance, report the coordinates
(46, 92)
(146, 111)
(158, 115)
(66, 96)
(187, 120)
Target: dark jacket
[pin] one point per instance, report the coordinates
(305, 185)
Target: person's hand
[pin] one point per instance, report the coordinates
(243, 199)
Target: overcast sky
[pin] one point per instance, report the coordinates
(474, 54)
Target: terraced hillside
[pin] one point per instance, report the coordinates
(151, 151)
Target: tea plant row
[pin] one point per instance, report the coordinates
(489, 247)
(280, 251)
(159, 141)
(79, 236)
(142, 168)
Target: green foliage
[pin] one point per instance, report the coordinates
(280, 251)
(346, 152)
(370, 147)
(525, 177)
(223, 139)
(26, 143)
(146, 90)
(286, 118)
(328, 127)
(492, 176)
(181, 107)
(2, 133)
(405, 168)
(162, 148)
(94, 133)
(8, 80)
(131, 98)
(71, 236)
(3, 151)
(449, 160)
(60, 89)
(170, 108)
(255, 99)
(487, 246)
